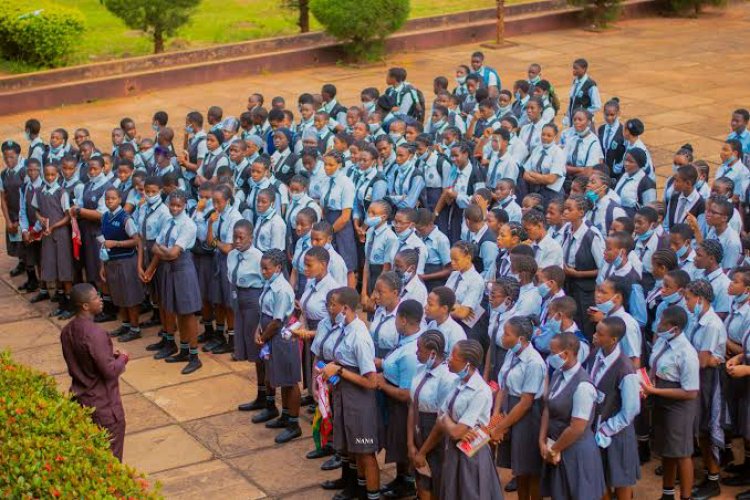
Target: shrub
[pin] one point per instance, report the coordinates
(361, 25)
(158, 18)
(38, 32)
(599, 13)
(49, 447)
(690, 7)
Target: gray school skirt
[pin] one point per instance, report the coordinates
(90, 250)
(579, 474)
(13, 247)
(246, 319)
(705, 404)
(468, 478)
(179, 292)
(620, 459)
(284, 367)
(220, 292)
(673, 423)
(205, 270)
(426, 422)
(125, 288)
(396, 449)
(345, 241)
(743, 415)
(355, 425)
(518, 451)
(153, 287)
(57, 256)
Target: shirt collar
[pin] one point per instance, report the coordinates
(51, 189)
(609, 359)
(478, 236)
(713, 275)
(406, 340)
(116, 211)
(568, 374)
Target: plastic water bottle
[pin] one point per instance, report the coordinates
(334, 379)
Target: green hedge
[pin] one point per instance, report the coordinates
(49, 446)
(362, 25)
(38, 32)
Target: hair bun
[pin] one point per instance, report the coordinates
(615, 99)
(688, 147)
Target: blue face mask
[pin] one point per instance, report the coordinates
(296, 196)
(617, 262)
(516, 348)
(681, 251)
(668, 335)
(555, 361)
(188, 129)
(403, 235)
(645, 236)
(698, 309)
(431, 361)
(266, 212)
(553, 325)
(606, 307)
(543, 290)
(464, 372)
(373, 221)
(593, 196)
(672, 298)
(699, 185)
(340, 318)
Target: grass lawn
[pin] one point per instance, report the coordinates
(214, 22)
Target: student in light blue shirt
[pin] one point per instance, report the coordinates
(260, 179)
(387, 296)
(610, 296)
(409, 182)
(407, 237)
(299, 199)
(738, 321)
(379, 240)
(437, 311)
(399, 367)
(431, 385)
(681, 241)
(437, 263)
(321, 236)
(740, 119)
(305, 219)
(708, 257)
(718, 213)
(337, 202)
(524, 268)
(270, 229)
(283, 369)
(505, 199)
(733, 168)
(466, 283)
(502, 164)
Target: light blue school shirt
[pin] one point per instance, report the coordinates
(720, 284)
(367, 191)
(325, 338)
(313, 299)
(379, 244)
(737, 323)
(708, 334)
(584, 395)
(223, 227)
(243, 268)
(438, 248)
(501, 167)
(471, 401)
(407, 242)
(436, 389)
(269, 232)
(451, 330)
(629, 387)
(548, 159)
(336, 266)
(356, 348)
(407, 186)
(182, 233)
(383, 329)
(337, 193)
(676, 360)
(524, 373)
(730, 243)
(277, 299)
(155, 216)
(468, 287)
(295, 206)
(631, 343)
(529, 301)
(511, 208)
(400, 365)
(300, 249)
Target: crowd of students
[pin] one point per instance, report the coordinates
(430, 274)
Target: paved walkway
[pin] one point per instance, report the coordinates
(682, 77)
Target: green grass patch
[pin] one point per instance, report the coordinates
(214, 22)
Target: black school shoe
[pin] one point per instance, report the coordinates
(745, 495)
(269, 413)
(181, 357)
(157, 346)
(403, 489)
(41, 296)
(292, 431)
(307, 401)
(18, 270)
(167, 350)
(332, 463)
(280, 423)
(707, 489)
(130, 336)
(512, 485)
(324, 451)
(258, 404)
(194, 363)
(121, 330)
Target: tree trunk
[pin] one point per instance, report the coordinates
(500, 28)
(304, 16)
(158, 41)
